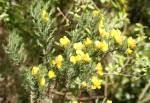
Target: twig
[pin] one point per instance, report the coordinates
(142, 94)
(126, 63)
(31, 97)
(94, 4)
(104, 100)
(146, 99)
(121, 74)
(91, 98)
(106, 87)
(71, 97)
(62, 14)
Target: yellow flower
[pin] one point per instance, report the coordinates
(87, 42)
(35, 70)
(45, 16)
(79, 52)
(78, 57)
(131, 43)
(58, 61)
(101, 24)
(73, 59)
(78, 46)
(96, 83)
(129, 51)
(64, 41)
(119, 39)
(117, 36)
(102, 32)
(108, 101)
(97, 44)
(113, 32)
(95, 13)
(103, 46)
(84, 84)
(51, 74)
(42, 82)
(99, 69)
(59, 65)
(86, 57)
(59, 58)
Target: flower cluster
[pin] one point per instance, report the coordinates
(102, 45)
(37, 73)
(117, 36)
(81, 55)
(96, 83)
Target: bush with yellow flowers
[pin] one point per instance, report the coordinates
(86, 56)
(81, 54)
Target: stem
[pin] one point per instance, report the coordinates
(142, 94)
(31, 97)
(71, 97)
(106, 87)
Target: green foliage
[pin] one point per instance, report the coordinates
(15, 49)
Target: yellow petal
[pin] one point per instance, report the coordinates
(35, 70)
(73, 59)
(51, 74)
(78, 46)
(42, 82)
(131, 42)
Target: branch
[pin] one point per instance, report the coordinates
(61, 13)
(146, 99)
(142, 94)
(94, 4)
(31, 97)
(71, 97)
(106, 87)
(126, 63)
(121, 74)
